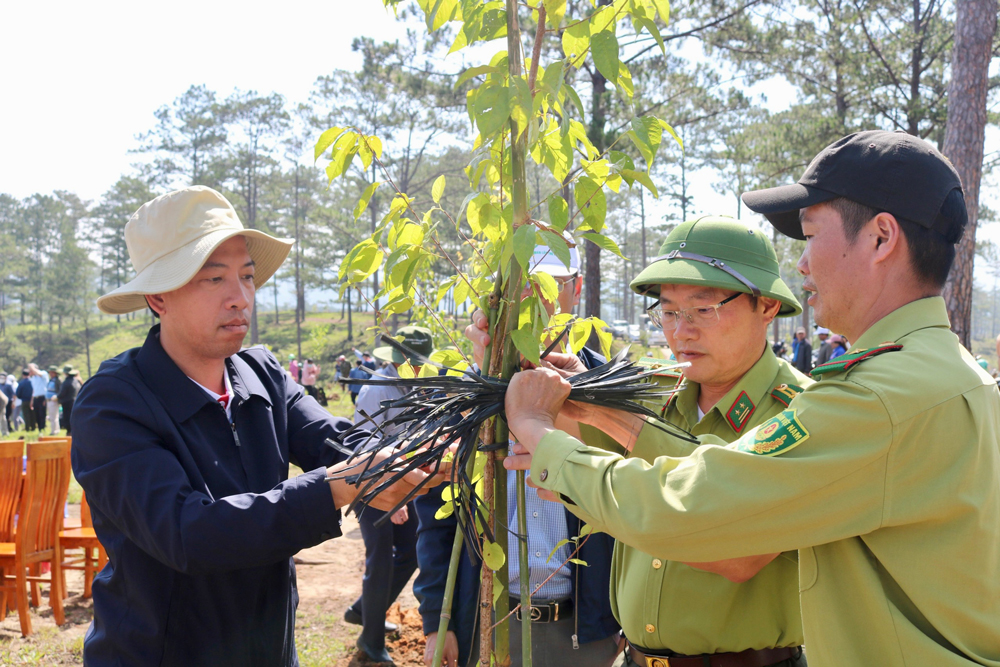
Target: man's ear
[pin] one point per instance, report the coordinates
(771, 308)
(887, 234)
(156, 303)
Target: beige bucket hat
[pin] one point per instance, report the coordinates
(171, 237)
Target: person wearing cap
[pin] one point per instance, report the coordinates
(717, 288)
(67, 395)
(839, 344)
(825, 345)
(390, 549)
(24, 393)
(888, 484)
(573, 621)
(183, 448)
(52, 388)
(802, 352)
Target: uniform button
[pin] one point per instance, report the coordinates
(657, 563)
(649, 628)
(534, 514)
(544, 475)
(538, 554)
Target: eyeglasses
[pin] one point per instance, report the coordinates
(698, 316)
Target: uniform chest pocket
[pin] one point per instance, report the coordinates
(808, 569)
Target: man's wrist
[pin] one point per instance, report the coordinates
(529, 430)
(343, 493)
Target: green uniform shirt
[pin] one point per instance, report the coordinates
(885, 475)
(664, 604)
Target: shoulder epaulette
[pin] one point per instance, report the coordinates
(668, 368)
(847, 361)
(784, 393)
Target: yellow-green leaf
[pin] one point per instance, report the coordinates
(406, 371)
(366, 197)
(575, 41)
(558, 212)
(663, 9)
(493, 555)
(579, 334)
(445, 511)
(326, 140)
(603, 242)
(557, 244)
(437, 190)
(546, 285)
(474, 72)
(604, 336)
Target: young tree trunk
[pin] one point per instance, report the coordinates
(975, 25)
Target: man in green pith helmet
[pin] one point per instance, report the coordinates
(885, 475)
(717, 289)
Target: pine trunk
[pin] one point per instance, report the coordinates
(975, 25)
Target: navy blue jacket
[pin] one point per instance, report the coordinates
(24, 390)
(592, 598)
(197, 513)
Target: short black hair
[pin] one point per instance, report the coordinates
(932, 250)
(358, 362)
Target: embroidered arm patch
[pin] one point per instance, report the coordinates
(776, 436)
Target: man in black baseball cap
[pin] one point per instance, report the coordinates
(885, 475)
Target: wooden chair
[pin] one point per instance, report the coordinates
(11, 466)
(38, 525)
(84, 538)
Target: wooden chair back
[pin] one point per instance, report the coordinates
(86, 521)
(41, 511)
(11, 467)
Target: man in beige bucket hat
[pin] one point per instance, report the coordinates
(183, 447)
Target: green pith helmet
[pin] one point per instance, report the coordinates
(719, 252)
(417, 339)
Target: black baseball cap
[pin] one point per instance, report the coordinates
(892, 172)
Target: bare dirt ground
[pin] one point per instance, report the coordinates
(329, 579)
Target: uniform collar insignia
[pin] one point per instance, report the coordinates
(847, 361)
(740, 411)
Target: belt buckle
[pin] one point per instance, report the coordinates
(536, 613)
(657, 661)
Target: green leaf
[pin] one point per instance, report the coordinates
(552, 78)
(493, 555)
(591, 202)
(461, 292)
(366, 197)
(365, 262)
(437, 189)
(647, 135)
(577, 561)
(474, 72)
(620, 160)
(492, 109)
(604, 46)
(603, 242)
(343, 152)
(666, 126)
(652, 29)
(524, 245)
(574, 98)
(575, 41)
(326, 140)
(557, 244)
(443, 11)
(586, 529)
(558, 212)
(526, 343)
(641, 176)
(559, 545)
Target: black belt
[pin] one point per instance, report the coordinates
(546, 612)
(749, 658)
